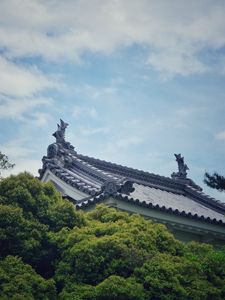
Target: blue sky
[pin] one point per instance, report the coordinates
(137, 81)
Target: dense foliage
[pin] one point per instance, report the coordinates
(19, 281)
(50, 251)
(215, 181)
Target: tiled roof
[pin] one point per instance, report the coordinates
(207, 215)
(98, 179)
(174, 201)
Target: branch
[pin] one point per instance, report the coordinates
(215, 181)
(4, 162)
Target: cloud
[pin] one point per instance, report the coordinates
(174, 33)
(23, 152)
(18, 81)
(176, 64)
(93, 92)
(17, 148)
(220, 135)
(20, 91)
(39, 119)
(80, 111)
(20, 108)
(93, 131)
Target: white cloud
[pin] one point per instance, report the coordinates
(93, 131)
(176, 64)
(80, 111)
(21, 152)
(20, 90)
(93, 92)
(39, 119)
(18, 81)
(17, 148)
(174, 32)
(220, 135)
(18, 108)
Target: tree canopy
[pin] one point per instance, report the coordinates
(19, 281)
(48, 250)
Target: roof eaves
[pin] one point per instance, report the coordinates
(65, 176)
(201, 197)
(129, 199)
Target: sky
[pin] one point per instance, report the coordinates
(137, 81)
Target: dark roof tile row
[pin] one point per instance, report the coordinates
(129, 199)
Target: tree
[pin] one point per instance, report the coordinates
(4, 162)
(29, 211)
(18, 281)
(112, 288)
(47, 246)
(121, 256)
(20, 236)
(39, 201)
(215, 181)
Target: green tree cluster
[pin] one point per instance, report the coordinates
(48, 250)
(19, 281)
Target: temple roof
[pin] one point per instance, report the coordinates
(98, 179)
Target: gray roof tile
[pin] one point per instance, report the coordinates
(174, 201)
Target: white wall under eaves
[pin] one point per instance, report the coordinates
(64, 188)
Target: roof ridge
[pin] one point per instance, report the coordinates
(134, 173)
(91, 170)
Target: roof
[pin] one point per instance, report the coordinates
(98, 179)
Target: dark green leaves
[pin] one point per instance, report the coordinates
(105, 254)
(19, 281)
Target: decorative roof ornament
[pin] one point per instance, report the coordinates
(182, 168)
(60, 132)
(110, 187)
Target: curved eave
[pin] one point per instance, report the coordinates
(203, 198)
(70, 180)
(138, 202)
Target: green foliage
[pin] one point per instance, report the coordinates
(73, 291)
(119, 288)
(215, 181)
(116, 246)
(171, 277)
(103, 254)
(39, 201)
(29, 212)
(19, 236)
(112, 288)
(19, 281)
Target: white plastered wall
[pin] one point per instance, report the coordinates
(65, 188)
